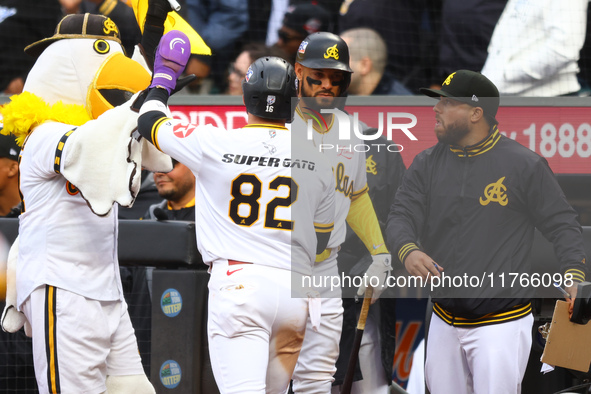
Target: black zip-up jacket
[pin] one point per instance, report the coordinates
(474, 211)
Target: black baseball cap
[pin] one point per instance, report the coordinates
(8, 147)
(78, 26)
(307, 18)
(471, 88)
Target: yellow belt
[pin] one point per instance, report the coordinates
(324, 255)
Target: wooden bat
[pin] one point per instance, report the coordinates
(348, 381)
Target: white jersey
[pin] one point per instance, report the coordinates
(348, 167)
(62, 243)
(259, 196)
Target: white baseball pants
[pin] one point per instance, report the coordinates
(487, 359)
(255, 328)
(78, 342)
(316, 365)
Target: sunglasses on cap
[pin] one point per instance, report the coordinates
(286, 37)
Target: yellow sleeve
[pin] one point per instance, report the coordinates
(363, 220)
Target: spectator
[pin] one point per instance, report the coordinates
(466, 29)
(399, 24)
(369, 55)
(249, 54)
(259, 14)
(22, 22)
(585, 60)
(534, 48)
(278, 8)
(220, 24)
(299, 21)
(468, 206)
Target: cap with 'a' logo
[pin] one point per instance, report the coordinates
(78, 26)
(471, 88)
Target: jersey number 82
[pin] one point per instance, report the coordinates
(252, 200)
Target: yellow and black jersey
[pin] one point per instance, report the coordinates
(474, 211)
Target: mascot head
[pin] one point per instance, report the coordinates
(84, 63)
(81, 71)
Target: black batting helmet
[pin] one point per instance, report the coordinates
(269, 89)
(325, 50)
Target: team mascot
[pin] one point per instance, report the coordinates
(82, 86)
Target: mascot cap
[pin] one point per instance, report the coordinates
(78, 26)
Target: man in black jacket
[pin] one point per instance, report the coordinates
(464, 220)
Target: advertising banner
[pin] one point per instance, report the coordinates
(560, 134)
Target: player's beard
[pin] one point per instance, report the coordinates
(453, 133)
(317, 103)
(175, 193)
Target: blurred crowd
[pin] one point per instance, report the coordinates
(527, 48)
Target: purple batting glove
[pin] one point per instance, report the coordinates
(171, 58)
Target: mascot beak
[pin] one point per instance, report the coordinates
(117, 79)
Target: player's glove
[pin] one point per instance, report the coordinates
(171, 58)
(378, 271)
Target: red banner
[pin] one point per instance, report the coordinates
(560, 134)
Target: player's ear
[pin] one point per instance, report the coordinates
(477, 114)
(299, 71)
(13, 170)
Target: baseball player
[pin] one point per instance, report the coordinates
(323, 72)
(264, 206)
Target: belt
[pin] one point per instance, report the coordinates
(516, 312)
(324, 255)
(235, 262)
(230, 262)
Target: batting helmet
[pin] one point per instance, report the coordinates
(325, 50)
(269, 89)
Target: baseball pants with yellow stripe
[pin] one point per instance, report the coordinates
(77, 341)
